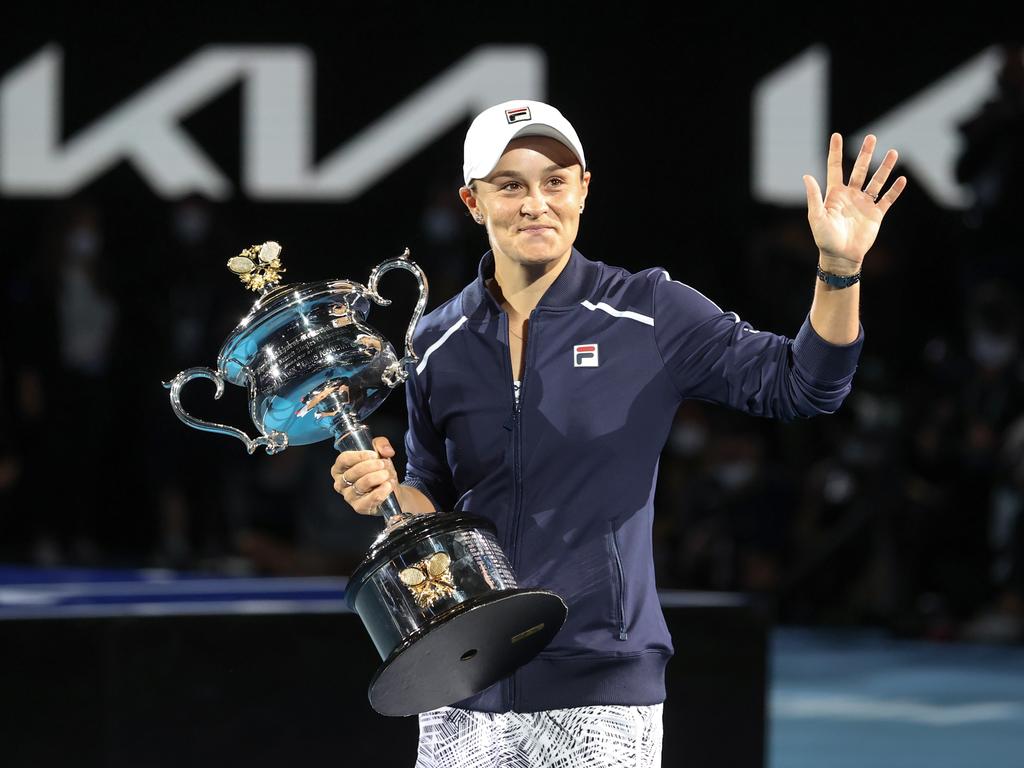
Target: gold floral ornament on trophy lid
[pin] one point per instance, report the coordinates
(258, 266)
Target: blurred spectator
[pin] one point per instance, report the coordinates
(10, 459)
(730, 521)
(839, 567)
(992, 164)
(197, 306)
(63, 392)
(290, 522)
(448, 250)
(1001, 618)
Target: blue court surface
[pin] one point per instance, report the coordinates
(838, 698)
(849, 698)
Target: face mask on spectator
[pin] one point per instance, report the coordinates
(82, 245)
(191, 224)
(991, 350)
(734, 474)
(688, 439)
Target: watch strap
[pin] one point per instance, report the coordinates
(837, 281)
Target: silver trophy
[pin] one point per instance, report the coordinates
(435, 591)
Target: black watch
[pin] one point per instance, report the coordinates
(837, 281)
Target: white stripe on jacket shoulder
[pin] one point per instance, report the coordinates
(627, 313)
(437, 344)
(736, 318)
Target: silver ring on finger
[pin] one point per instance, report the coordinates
(348, 482)
(872, 195)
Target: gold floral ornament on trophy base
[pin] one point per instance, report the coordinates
(430, 579)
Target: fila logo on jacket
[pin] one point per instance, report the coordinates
(584, 356)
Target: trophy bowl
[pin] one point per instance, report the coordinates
(435, 591)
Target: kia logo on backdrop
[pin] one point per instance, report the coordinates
(789, 133)
(277, 124)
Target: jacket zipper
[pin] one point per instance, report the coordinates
(514, 527)
(622, 588)
(517, 451)
(517, 436)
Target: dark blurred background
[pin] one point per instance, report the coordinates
(902, 510)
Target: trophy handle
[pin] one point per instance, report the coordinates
(396, 373)
(274, 442)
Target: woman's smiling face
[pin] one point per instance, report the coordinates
(530, 203)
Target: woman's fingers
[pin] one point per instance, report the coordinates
(367, 504)
(354, 475)
(372, 481)
(863, 162)
(347, 459)
(386, 451)
(350, 460)
(368, 483)
(365, 478)
(834, 174)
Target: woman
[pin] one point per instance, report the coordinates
(544, 394)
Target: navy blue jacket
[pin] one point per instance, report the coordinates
(569, 475)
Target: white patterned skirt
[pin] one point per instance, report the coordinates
(605, 736)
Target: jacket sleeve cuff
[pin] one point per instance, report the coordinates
(414, 482)
(822, 360)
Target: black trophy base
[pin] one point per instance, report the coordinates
(482, 641)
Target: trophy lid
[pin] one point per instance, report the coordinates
(259, 268)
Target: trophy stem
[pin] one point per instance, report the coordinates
(351, 435)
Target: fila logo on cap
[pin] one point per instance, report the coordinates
(517, 115)
(584, 356)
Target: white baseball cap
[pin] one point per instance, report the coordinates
(492, 130)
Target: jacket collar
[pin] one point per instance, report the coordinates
(574, 283)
